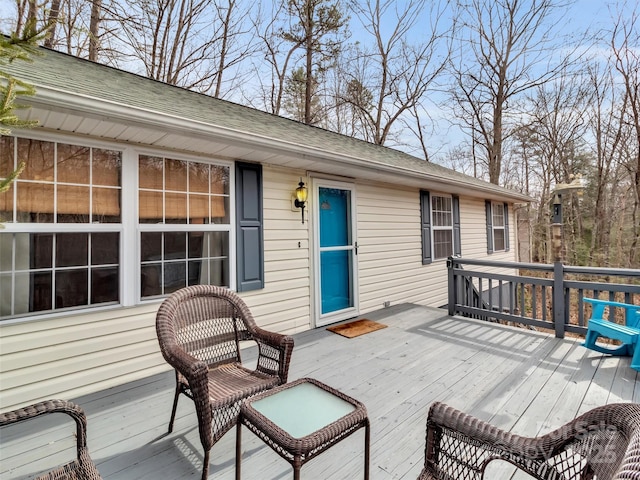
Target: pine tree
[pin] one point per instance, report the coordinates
(14, 48)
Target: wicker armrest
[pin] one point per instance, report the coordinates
(51, 406)
(83, 467)
(274, 352)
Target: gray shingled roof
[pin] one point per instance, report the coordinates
(58, 71)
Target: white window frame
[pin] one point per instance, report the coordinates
(435, 227)
(494, 206)
(129, 228)
(170, 227)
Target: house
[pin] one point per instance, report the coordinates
(134, 188)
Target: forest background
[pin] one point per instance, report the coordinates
(527, 94)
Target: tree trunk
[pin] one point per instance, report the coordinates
(309, 66)
(94, 27)
(52, 23)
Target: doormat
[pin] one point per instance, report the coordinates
(356, 328)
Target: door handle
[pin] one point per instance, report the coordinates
(356, 247)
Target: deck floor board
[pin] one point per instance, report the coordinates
(523, 381)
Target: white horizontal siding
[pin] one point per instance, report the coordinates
(473, 230)
(390, 250)
(68, 356)
(390, 247)
(284, 303)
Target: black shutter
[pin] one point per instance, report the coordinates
(506, 227)
(249, 229)
(487, 205)
(457, 240)
(425, 217)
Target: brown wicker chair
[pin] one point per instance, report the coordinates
(602, 444)
(82, 468)
(200, 329)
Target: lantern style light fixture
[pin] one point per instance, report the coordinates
(301, 197)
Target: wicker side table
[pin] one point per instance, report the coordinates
(300, 420)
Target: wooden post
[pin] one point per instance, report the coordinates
(452, 287)
(556, 228)
(556, 242)
(558, 299)
(558, 268)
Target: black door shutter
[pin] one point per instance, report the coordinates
(249, 227)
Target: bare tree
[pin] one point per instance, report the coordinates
(72, 24)
(28, 13)
(190, 43)
(558, 117)
(278, 53)
(397, 72)
(625, 39)
(505, 48)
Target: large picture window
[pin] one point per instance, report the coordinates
(66, 230)
(62, 249)
(184, 224)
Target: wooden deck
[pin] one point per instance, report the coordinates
(524, 381)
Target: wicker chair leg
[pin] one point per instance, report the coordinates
(205, 465)
(175, 407)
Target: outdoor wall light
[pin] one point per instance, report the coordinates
(301, 197)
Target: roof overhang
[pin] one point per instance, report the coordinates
(58, 110)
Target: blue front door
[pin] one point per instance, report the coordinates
(336, 250)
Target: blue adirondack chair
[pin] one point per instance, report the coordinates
(627, 334)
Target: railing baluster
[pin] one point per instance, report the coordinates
(468, 291)
(580, 307)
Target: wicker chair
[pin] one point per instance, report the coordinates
(602, 444)
(82, 468)
(200, 329)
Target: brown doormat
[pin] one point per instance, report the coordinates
(356, 328)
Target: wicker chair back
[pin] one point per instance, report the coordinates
(602, 444)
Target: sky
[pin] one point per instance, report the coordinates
(582, 15)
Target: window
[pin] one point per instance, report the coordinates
(442, 222)
(440, 216)
(63, 247)
(67, 234)
(497, 227)
(183, 212)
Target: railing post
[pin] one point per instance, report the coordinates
(558, 298)
(452, 287)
